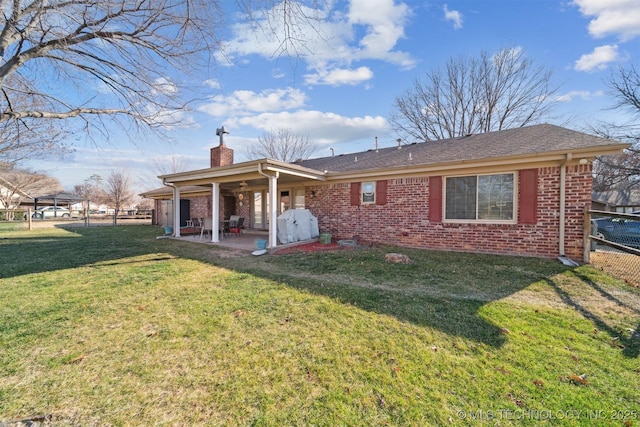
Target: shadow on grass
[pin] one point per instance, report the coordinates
(441, 290)
(28, 252)
(452, 316)
(444, 291)
(630, 345)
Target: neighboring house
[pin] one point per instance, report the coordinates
(94, 208)
(520, 192)
(621, 201)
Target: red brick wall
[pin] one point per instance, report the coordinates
(404, 219)
(200, 207)
(579, 188)
(244, 210)
(221, 156)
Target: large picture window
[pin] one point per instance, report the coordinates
(480, 197)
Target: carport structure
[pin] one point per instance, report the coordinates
(57, 199)
(235, 178)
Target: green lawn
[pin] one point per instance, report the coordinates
(111, 326)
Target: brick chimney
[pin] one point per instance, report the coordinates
(221, 155)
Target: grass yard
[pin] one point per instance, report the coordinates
(111, 326)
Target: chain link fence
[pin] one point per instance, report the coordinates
(615, 244)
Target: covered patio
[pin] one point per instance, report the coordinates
(248, 240)
(265, 177)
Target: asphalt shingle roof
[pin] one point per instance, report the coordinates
(531, 140)
(624, 197)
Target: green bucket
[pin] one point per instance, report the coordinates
(325, 238)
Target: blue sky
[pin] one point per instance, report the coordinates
(341, 90)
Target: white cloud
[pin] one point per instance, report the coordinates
(453, 16)
(584, 95)
(165, 86)
(338, 77)
(282, 108)
(169, 119)
(598, 59)
(384, 22)
(213, 84)
(244, 102)
(612, 17)
(333, 39)
(173, 119)
(325, 128)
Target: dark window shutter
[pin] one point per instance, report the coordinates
(381, 192)
(435, 199)
(528, 198)
(355, 194)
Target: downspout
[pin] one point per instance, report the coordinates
(563, 190)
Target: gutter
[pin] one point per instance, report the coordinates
(164, 182)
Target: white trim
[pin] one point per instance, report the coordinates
(215, 212)
(274, 206)
(239, 171)
(362, 193)
(176, 211)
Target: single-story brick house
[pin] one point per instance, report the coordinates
(624, 200)
(520, 191)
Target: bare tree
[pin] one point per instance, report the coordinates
(117, 189)
(161, 166)
(121, 47)
(90, 191)
(475, 95)
(621, 171)
(282, 144)
(18, 185)
(85, 61)
(617, 172)
(26, 138)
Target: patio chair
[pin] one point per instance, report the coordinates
(205, 226)
(196, 226)
(237, 228)
(230, 224)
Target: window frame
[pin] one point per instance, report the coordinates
(362, 193)
(478, 220)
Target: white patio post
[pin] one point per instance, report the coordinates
(273, 210)
(215, 212)
(176, 211)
